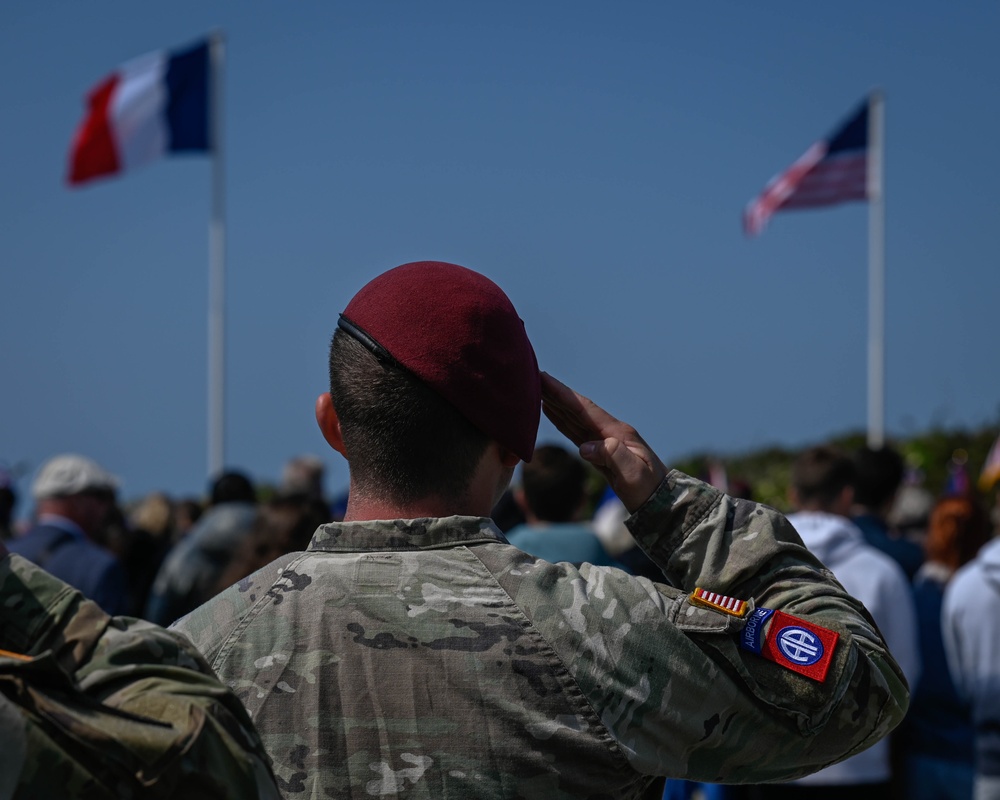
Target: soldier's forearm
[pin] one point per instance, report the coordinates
(703, 538)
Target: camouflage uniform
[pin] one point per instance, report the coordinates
(429, 658)
(99, 707)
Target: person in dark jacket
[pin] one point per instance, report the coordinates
(937, 735)
(191, 570)
(878, 474)
(73, 496)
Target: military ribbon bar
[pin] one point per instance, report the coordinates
(720, 602)
(793, 643)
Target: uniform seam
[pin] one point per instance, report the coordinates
(701, 509)
(703, 516)
(252, 613)
(612, 741)
(689, 528)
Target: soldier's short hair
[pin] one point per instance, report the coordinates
(820, 474)
(403, 440)
(554, 483)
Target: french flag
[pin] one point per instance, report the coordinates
(151, 106)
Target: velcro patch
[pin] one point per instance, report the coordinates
(720, 602)
(796, 644)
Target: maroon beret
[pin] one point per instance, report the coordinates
(458, 333)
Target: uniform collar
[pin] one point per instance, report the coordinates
(405, 534)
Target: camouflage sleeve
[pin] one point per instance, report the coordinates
(115, 706)
(668, 677)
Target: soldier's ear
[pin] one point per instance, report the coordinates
(509, 458)
(329, 423)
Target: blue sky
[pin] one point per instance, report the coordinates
(592, 158)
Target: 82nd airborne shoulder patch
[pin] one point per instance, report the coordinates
(793, 643)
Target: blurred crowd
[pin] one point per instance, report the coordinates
(158, 557)
(920, 559)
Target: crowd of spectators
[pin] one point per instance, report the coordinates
(158, 557)
(895, 546)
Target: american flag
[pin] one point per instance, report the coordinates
(834, 170)
(720, 602)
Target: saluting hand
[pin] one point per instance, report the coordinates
(614, 447)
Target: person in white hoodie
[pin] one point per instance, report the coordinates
(822, 494)
(970, 621)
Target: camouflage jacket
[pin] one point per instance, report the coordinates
(429, 658)
(99, 707)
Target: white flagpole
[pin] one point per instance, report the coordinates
(217, 270)
(876, 270)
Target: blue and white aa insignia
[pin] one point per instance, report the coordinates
(796, 644)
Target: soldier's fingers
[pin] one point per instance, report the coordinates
(568, 424)
(631, 473)
(562, 407)
(572, 405)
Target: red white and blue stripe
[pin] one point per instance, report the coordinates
(151, 106)
(834, 170)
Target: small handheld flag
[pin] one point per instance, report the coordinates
(151, 106)
(991, 469)
(834, 170)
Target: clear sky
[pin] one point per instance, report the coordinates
(593, 158)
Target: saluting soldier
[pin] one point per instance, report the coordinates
(412, 651)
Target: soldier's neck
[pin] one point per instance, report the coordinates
(361, 508)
